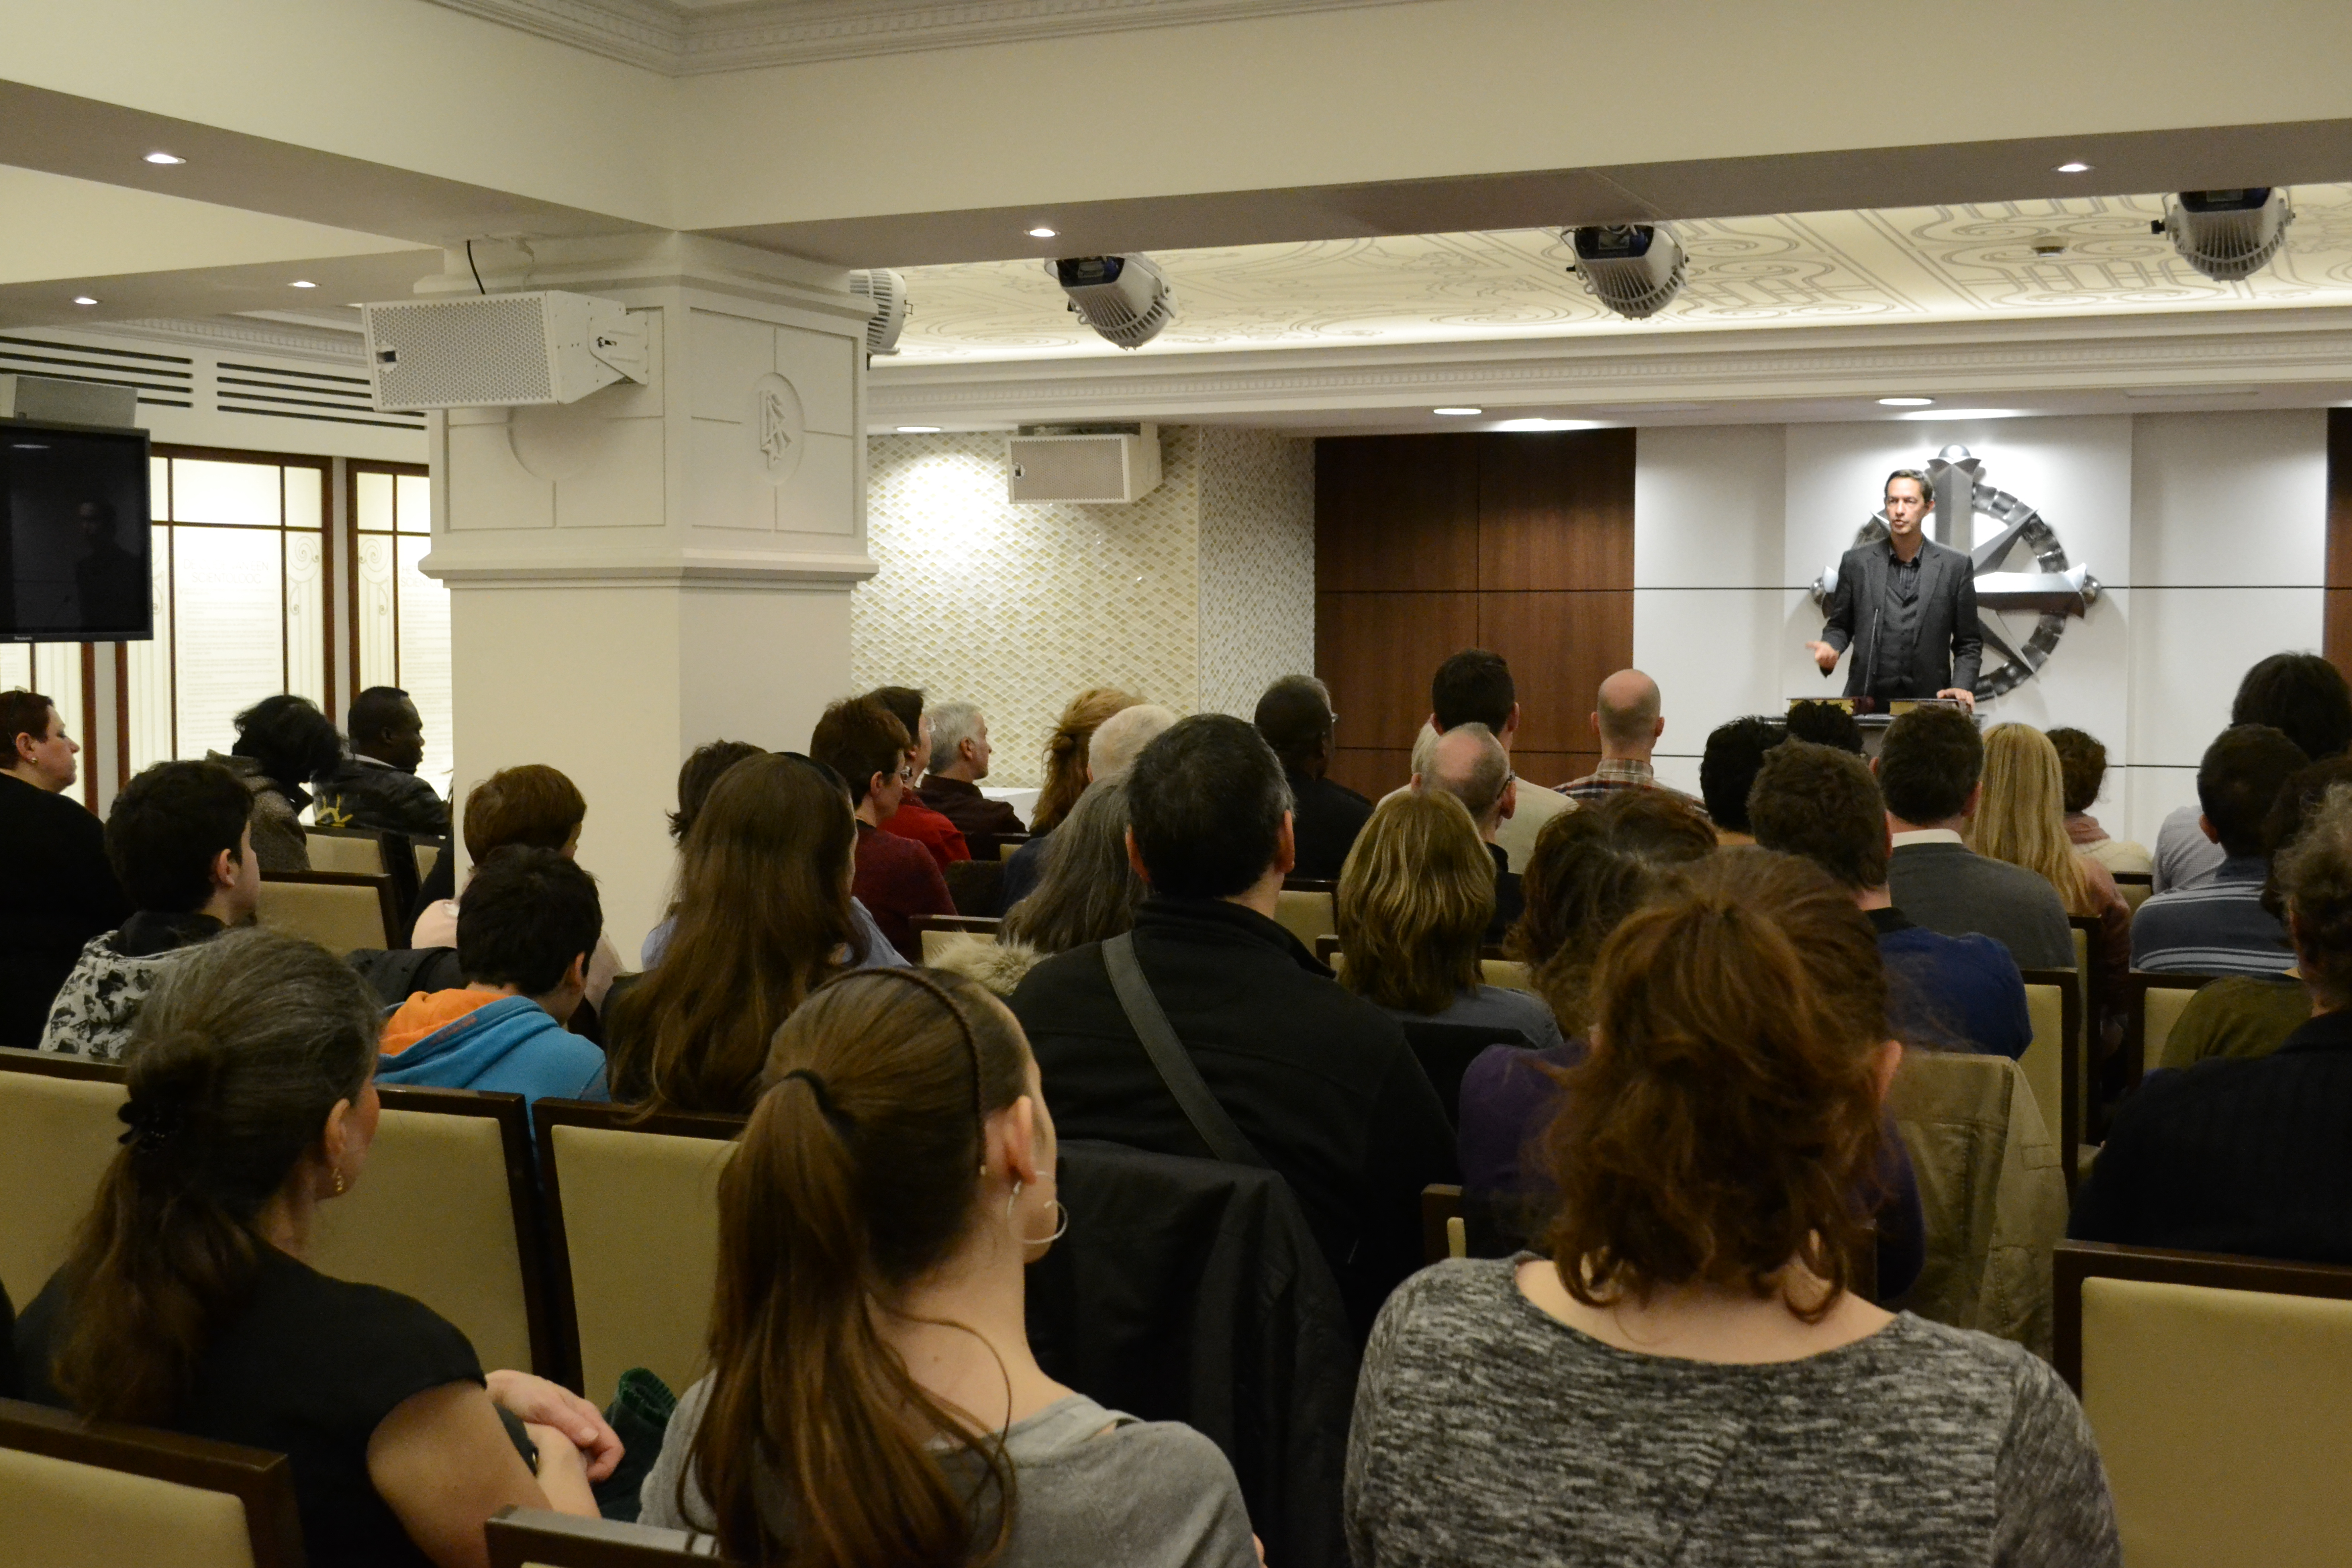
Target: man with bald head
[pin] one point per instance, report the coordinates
(1469, 763)
(1627, 721)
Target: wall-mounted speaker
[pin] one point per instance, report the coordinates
(489, 351)
(1109, 469)
(46, 400)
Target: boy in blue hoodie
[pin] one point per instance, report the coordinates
(527, 923)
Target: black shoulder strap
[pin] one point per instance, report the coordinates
(1174, 1063)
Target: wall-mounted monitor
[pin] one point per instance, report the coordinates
(74, 534)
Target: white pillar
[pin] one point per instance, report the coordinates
(657, 566)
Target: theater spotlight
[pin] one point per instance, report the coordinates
(1124, 299)
(1635, 269)
(2227, 234)
(888, 289)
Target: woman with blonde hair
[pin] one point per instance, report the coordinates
(2021, 818)
(1065, 753)
(1415, 895)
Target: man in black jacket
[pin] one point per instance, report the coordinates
(377, 786)
(1321, 1082)
(59, 891)
(1906, 606)
(1296, 718)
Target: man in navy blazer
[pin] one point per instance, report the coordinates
(1906, 606)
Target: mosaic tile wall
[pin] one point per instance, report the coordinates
(1257, 564)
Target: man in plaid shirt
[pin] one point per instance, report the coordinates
(1627, 721)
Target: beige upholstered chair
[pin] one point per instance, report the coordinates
(1305, 915)
(354, 853)
(58, 1135)
(633, 1224)
(1509, 973)
(539, 1538)
(77, 1494)
(936, 932)
(339, 911)
(428, 856)
(2162, 999)
(2052, 1064)
(445, 1212)
(2220, 1390)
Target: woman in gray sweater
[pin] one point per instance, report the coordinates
(1693, 1381)
(873, 1401)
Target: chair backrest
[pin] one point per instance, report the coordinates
(2152, 1006)
(58, 1132)
(1509, 973)
(353, 851)
(83, 1494)
(541, 1538)
(2053, 1063)
(1305, 915)
(633, 1231)
(428, 855)
(339, 911)
(1446, 1051)
(446, 1212)
(1006, 842)
(2220, 1390)
(1441, 1225)
(2135, 886)
(936, 932)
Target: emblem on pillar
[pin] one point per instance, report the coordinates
(776, 416)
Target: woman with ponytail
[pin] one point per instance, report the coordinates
(185, 1303)
(1065, 753)
(873, 1401)
(1690, 1374)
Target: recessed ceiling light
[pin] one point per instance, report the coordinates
(301, 283)
(1547, 424)
(920, 429)
(84, 300)
(163, 158)
(1905, 402)
(2076, 167)
(1041, 233)
(1965, 414)
(1456, 413)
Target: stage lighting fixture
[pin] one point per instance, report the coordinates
(1124, 299)
(2227, 234)
(1635, 269)
(888, 289)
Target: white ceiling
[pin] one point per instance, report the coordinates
(1900, 265)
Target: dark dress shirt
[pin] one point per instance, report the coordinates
(898, 879)
(1955, 993)
(1921, 617)
(1325, 819)
(1321, 1081)
(364, 793)
(980, 819)
(2248, 1156)
(58, 893)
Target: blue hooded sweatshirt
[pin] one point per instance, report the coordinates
(511, 1046)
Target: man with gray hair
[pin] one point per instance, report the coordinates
(958, 761)
(1296, 718)
(1117, 742)
(1469, 763)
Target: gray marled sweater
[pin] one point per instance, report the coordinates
(1488, 1432)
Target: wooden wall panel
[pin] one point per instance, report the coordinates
(1371, 772)
(1377, 652)
(1396, 513)
(1561, 645)
(1555, 511)
(2335, 636)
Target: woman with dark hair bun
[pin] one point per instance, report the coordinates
(282, 743)
(873, 1401)
(1689, 1374)
(186, 1304)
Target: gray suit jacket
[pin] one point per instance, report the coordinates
(1950, 644)
(1951, 888)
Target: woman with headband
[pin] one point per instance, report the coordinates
(873, 1401)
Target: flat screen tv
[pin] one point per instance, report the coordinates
(74, 534)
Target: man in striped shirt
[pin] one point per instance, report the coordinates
(2220, 926)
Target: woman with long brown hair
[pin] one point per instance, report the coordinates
(764, 917)
(873, 1401)
(1065, 753)
(186, 1304)
(1690, 1368)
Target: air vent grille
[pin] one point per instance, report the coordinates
(323, 396)
(164, 380)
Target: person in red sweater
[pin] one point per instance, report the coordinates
(914, 819)
(896, 878)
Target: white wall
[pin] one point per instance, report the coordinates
(2207, 529)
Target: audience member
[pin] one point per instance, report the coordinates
(180, 838)
(376, 786)
(1720, 1384)
(1415, 902)
(1726, 770)
(534, 805)
(1067, 774)
(2022, 819)
(2220, 926)
(2301, 695)
(186, 1302)
(1321, 1082)
(897, 879)
(1960, 993)
(1296, 718)
(2083, 765)
(282, 743)
(1928, 769)
(525, 928)
(914, 820)
(1089, 892)
(1825, 724)
(59, 891)
(1469, 763)
(1474, 687)
(2250, 1156)
(959, 760)
(1627, 721)
(1115, 745)
(764, 916)
(872, 1386)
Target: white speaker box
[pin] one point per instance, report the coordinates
(1106, 469)
(46, 399)
(490, 350)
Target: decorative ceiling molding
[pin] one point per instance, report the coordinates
(2009, 357)
(681, 39)
(245, 334)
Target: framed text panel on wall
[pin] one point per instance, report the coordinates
(399, 616)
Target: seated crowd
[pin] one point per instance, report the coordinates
(1680, 1109)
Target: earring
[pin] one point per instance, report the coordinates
(1061, 1229)
(338, 1183)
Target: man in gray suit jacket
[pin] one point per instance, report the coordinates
(1928, 769)
(1906, 606)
